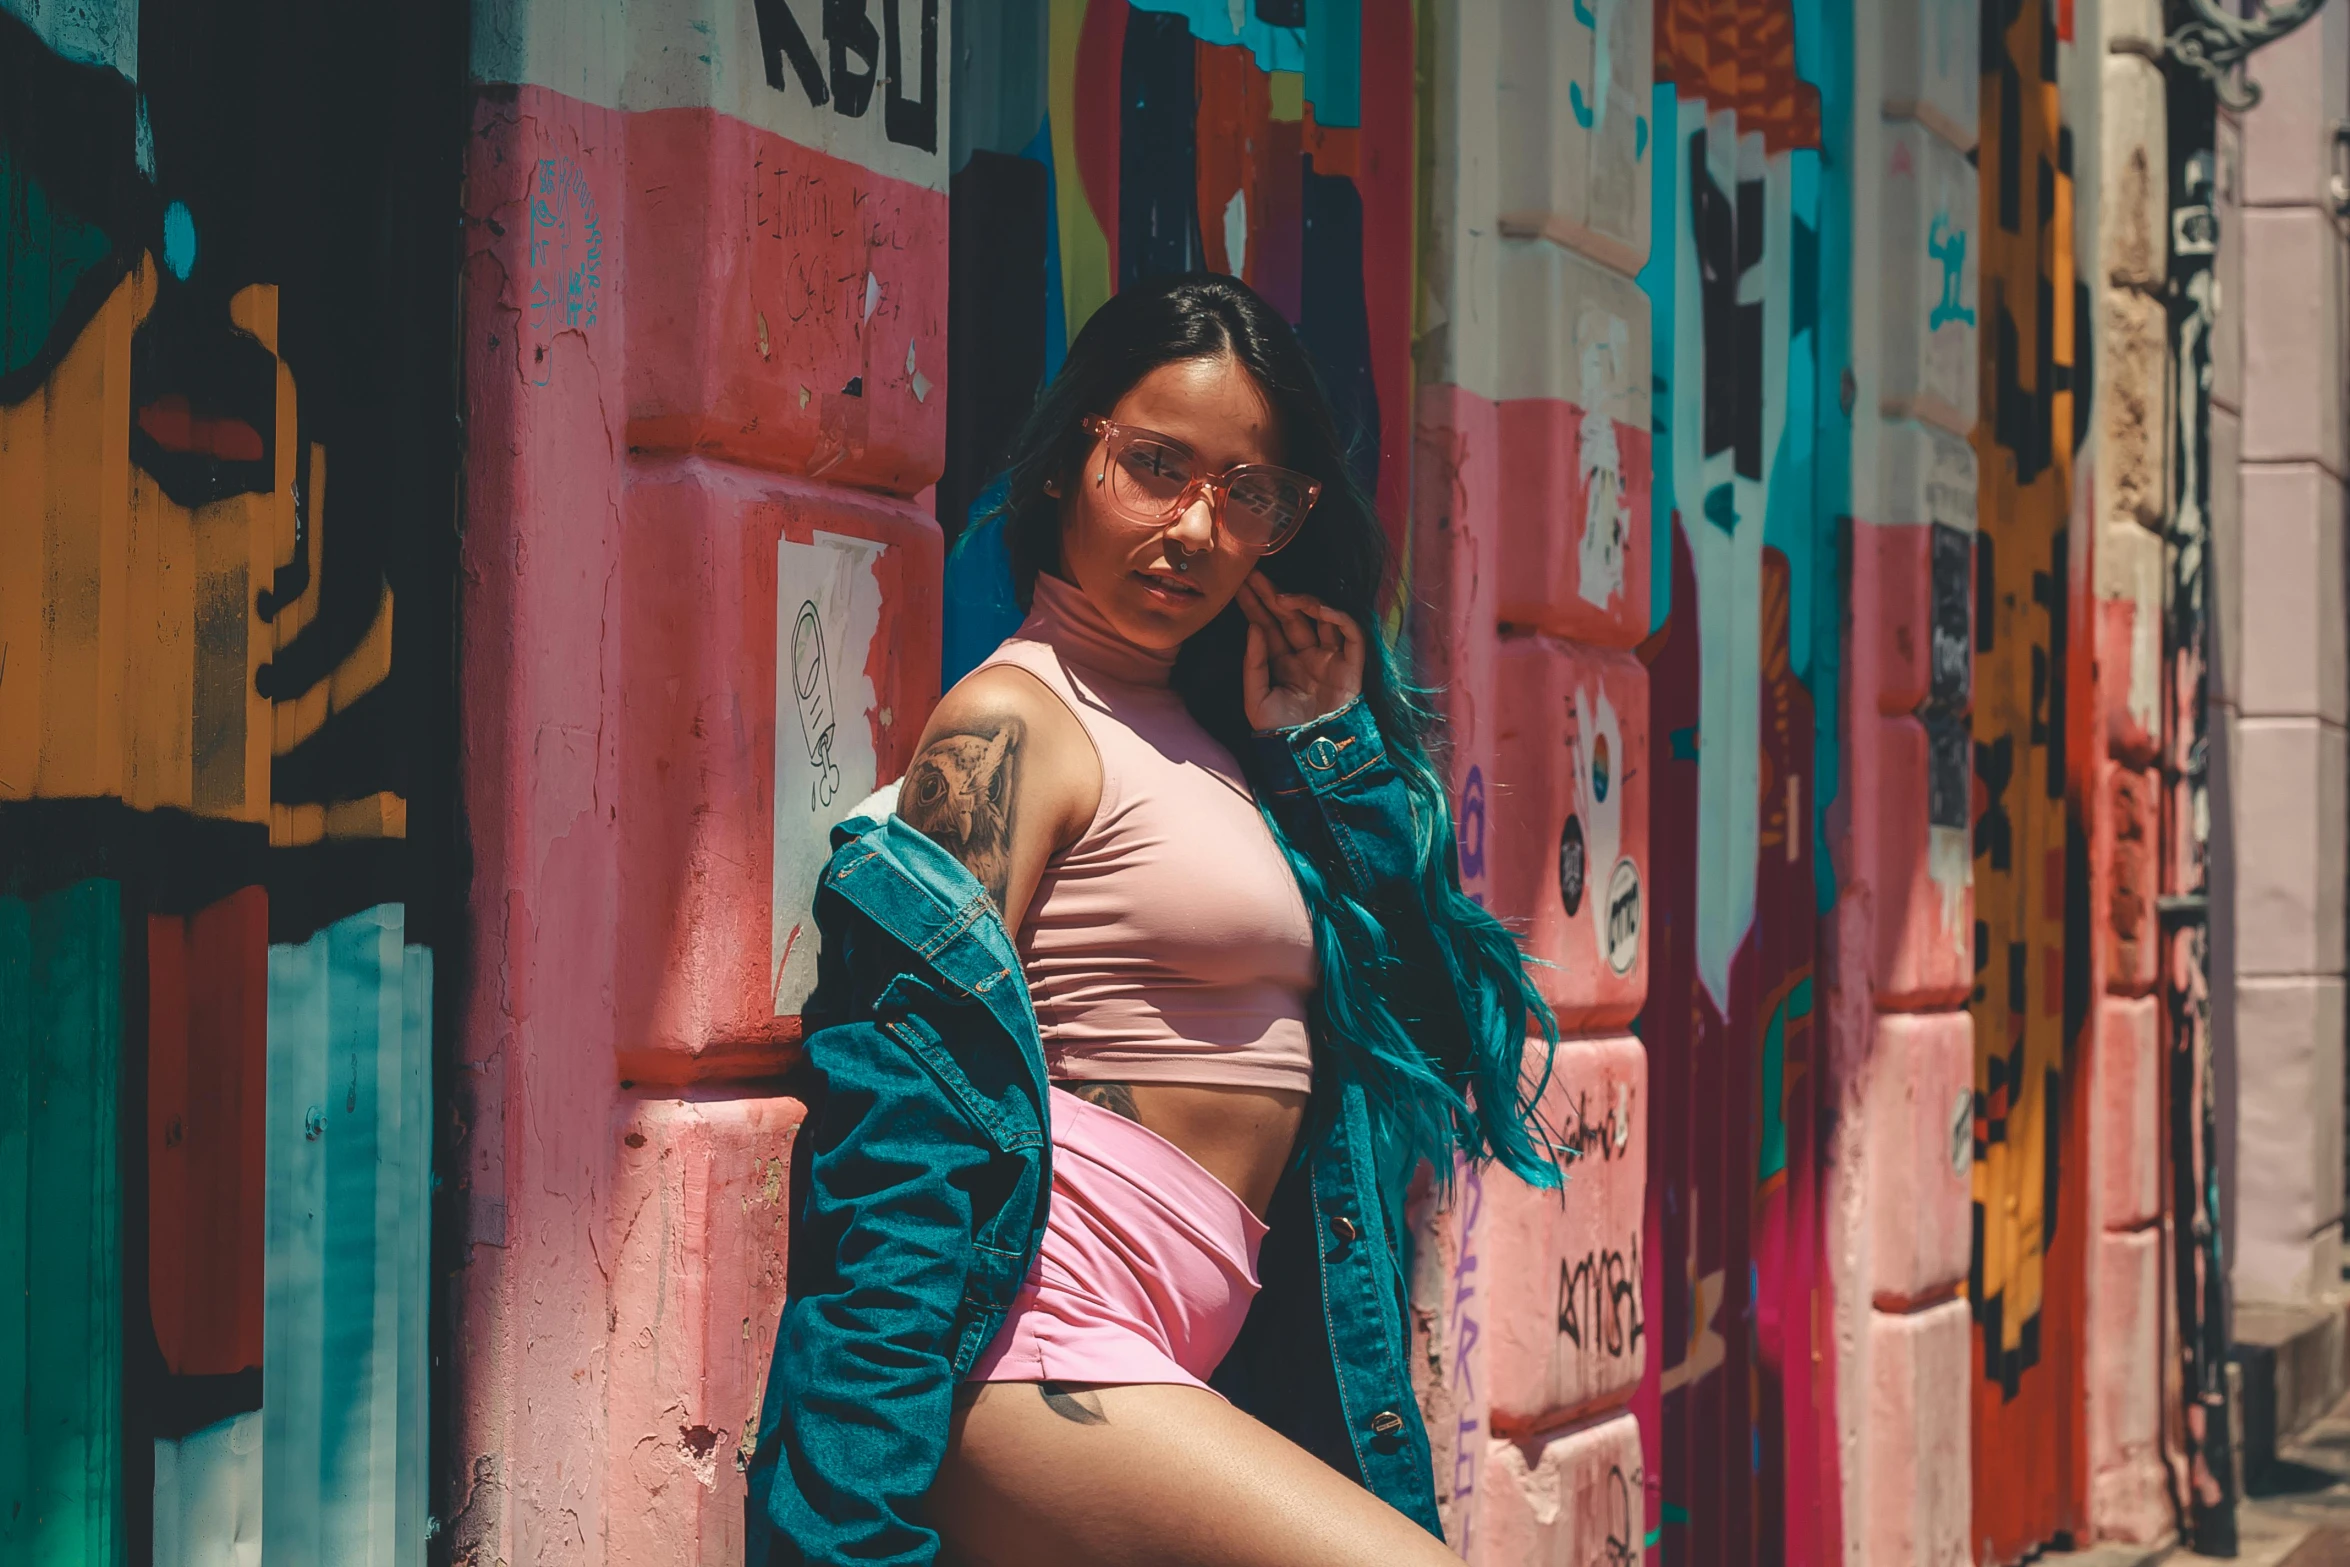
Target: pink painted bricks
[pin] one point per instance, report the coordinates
(1570, 801)
(1578, 1497)
(705, 354)
(1915, 1508)
(1564, 1317)
(700, 1198)
(702, 612)
(1917, 1119)
(1574, 557)
(811, 334)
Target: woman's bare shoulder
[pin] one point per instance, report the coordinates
(1004, 776)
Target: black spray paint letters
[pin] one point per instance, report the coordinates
(1599, 1300)
(860, 56)
(1602, 1132)
(1626, 1512)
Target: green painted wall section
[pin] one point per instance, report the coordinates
(60, 1216)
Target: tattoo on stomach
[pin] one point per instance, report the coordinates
(1116, 1098)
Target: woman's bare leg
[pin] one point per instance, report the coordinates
(1040, 1474)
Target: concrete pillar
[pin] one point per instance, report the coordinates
(1901, 1047)
(2284, 683)
(2121, 148)
(1531, 587)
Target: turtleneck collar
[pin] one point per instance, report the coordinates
(1072, 625)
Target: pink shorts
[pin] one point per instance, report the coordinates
(1147, 1267)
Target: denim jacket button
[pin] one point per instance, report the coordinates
(1322, 754)
(1386, 1423)
(1347, 1229)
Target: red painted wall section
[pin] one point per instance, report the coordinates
(207, 1047)
(705, 360)
(811, 338)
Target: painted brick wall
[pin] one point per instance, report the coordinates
(704, 349)
(1903, 1057)
(1531, 568)
(227, 711)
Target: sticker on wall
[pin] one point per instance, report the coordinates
(1607, 519)
(827, 613)
(1571, 866)
(1623, 918)
(1596, 741)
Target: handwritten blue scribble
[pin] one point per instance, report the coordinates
(566, 248)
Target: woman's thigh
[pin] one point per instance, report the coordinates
(1039, 1474)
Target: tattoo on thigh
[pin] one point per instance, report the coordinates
(1114, 1097)
(1075, 1405)
(960, 792)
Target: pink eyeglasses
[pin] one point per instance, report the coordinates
(1154, 478)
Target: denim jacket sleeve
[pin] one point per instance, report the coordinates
(1330, 781)
(859, 1395)
(924, 1162)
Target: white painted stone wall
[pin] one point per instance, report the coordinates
(2282, 678)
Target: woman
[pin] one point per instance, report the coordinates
(1255, 986)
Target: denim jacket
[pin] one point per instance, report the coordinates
(925, 1162)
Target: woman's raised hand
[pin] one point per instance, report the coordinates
(1304, 658)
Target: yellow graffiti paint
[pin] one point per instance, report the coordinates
(2020, 864)
(2026, 1291)
(127, 622)
(131, 636)
(1085, 250)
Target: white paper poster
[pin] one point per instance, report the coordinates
(827, 613)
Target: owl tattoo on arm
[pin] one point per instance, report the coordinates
(960, 793)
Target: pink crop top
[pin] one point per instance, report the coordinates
(1169, 943)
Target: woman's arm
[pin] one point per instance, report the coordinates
(1004, 779)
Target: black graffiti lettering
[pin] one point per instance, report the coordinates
(912, 122)
(1599, 1300)
(849, 32)
(858, 55)
(780, 39)
(1586, 1138)
(1624, 1515)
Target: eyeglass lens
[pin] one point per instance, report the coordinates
(1150, 475)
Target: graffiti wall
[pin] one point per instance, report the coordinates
(227, 854)
(1742, 663)
(2032, 732)
(1096, 143)
(1722, 373)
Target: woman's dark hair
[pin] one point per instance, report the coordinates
(1433, 1086)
